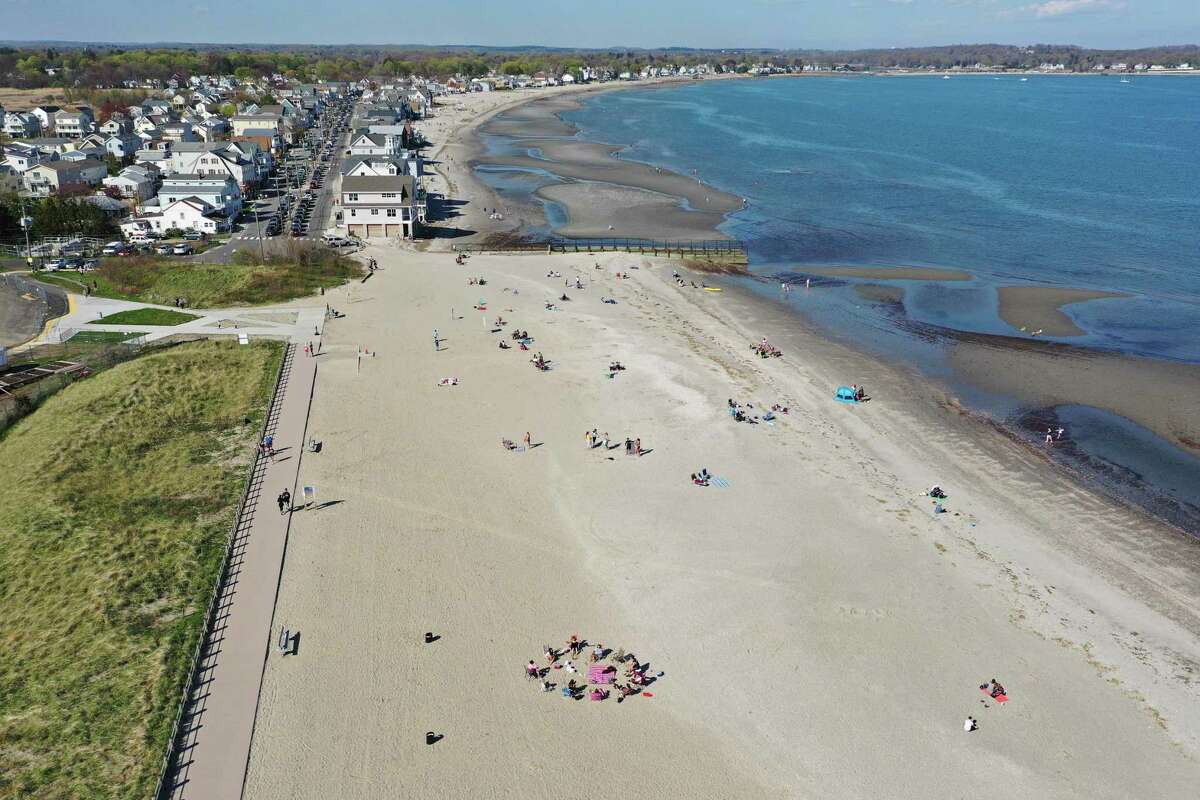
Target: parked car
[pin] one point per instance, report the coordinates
(164, 249)
(55, 264)
(112, 249)
(194, 236)
(89, 265)
(73, 263)
(182, 250)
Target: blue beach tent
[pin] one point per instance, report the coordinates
(845, 395)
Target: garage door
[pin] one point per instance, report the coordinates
(374, 230)
(355, 230)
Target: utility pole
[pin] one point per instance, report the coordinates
(26, 223)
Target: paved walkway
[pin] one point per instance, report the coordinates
(294, 323)
(215, 732)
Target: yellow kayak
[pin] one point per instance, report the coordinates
(711, 289)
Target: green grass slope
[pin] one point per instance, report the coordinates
(116, 500)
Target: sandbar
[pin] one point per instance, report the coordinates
(1039, 308)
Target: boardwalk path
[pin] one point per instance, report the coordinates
(213, 744)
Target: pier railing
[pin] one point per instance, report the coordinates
(730, 249)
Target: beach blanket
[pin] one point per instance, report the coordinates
(1000, 698)
(598, 673)
(720, 483)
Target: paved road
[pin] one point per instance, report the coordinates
(25, 306)
(218, 722)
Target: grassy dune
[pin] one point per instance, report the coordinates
(298, 273)
(117, 496)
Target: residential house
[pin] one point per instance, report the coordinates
(215, 158)
(136, 182)
(117, 125)
(73, 124)
(21, 125)
(45, 115)
(82, 153)
(374, 144)
(178, 132)
(122, 146)
(188, 214)
(219, 191)
(10, 180)
(241, 122)
(372, 165)
(20, 157)
(381, 206)
(54, 177)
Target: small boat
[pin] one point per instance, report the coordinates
(711, 289)
(1126, 80)
(1024, 79)
(945, 77)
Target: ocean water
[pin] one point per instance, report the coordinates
(1072, 181)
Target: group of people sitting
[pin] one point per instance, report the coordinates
(860, 392)
(739, 413)
(993, 688)
(616, 366)
(635, 672)
(765, 349)
(610, 300)
(702, 477)
(540, 363)
(461, 258)
(480, 281)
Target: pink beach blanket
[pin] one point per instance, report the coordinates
(598, 673)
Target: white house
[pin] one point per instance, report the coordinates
(72, 124)
(137, 183)
(374, 144)
(45, 116)
(188, 214)
(20, 157)
(221, 192)
(381, 206)
(215, 158)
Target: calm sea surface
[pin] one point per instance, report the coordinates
(1082, 182)
(1068, 181)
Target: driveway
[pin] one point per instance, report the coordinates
(26, 306)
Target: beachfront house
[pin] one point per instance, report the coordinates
(375, 206)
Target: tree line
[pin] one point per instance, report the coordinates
(102, 67)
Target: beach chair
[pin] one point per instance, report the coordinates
(285, 641)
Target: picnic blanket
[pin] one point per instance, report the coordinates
(1000, 698)
(599, 673)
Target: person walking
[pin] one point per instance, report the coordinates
(637, 447)
(527, 440)
(285, 501)
(436, 340)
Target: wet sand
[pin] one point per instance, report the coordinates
(602, 194)
(1039, 308)
(1161, 396)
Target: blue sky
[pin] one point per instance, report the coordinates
(636, 23)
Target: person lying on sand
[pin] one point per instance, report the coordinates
(696, 479)
(504, 345)
(598, 694)
(507, 444)
(531, 670)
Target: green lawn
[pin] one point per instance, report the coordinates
(117, 497)
(298, 273)
(146, 316)
(102, 337)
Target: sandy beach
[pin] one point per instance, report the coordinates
(812, 627)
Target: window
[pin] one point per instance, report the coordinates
(391, 212)
(374, 212)
(354, 212)
(353, 198)
(389, 194)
